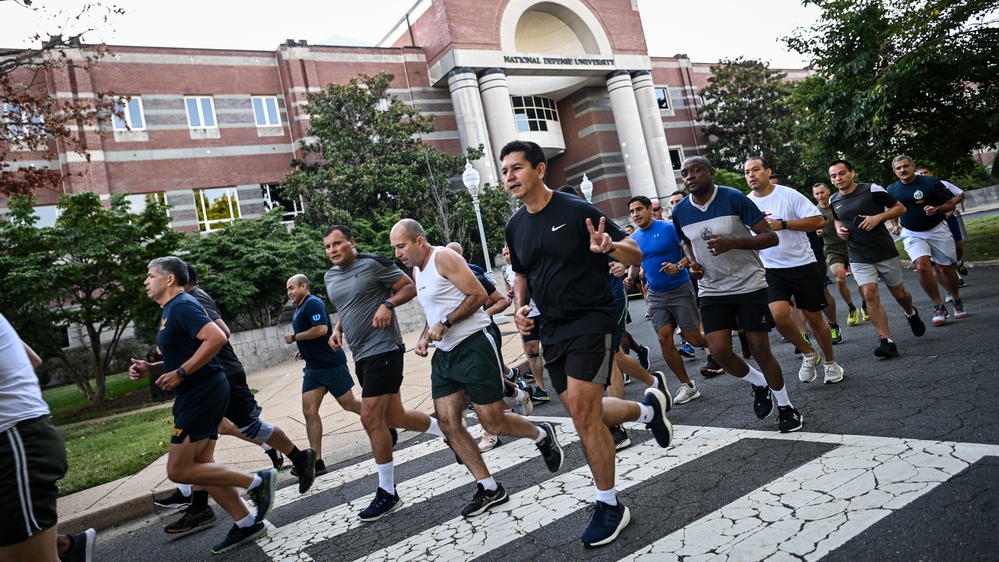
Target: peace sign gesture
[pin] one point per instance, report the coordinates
(600, 241)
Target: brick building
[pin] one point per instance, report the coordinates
(220, 127)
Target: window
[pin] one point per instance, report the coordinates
(139, 202)
(200, 112)
(676, 157)
(216, 207)
(265, 111)
(273, 196)
(662, 96)
(132, 112)
(22, 123)
(532, 113)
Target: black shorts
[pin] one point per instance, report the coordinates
(806, 283)
(748, 311)
(588, 357)
(32, 460)
(380, 374)
(198, 411)
(535, 334)
(955, 228)
(241, 401)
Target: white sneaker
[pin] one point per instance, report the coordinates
(526, 406)
(488, 442)
(685, 394)
(808, 372)
(940, 315)
(833, 373)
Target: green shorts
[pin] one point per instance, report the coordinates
(837, 254)
(474, 365)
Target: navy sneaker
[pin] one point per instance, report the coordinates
(540, 395)
(661, 379)
(383, 504)
(643, 357)
(484, 499)
(550, 449)
(606, 523)
(661, 403)
(81, 548)
(763, 401)
(237, 537)
(263, 495)
(687, 350)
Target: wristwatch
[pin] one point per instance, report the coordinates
(783, 224)
(446, 322)
(679, 266)
(181, 372)
(389, 305)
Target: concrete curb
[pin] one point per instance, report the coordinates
(110, 516)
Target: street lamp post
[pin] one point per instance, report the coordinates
(587, 186)
(471, 180)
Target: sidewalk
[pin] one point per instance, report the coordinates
(279, 393)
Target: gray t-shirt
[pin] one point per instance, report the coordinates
(357, 291)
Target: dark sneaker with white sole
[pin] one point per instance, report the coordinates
(916, 323)
(788, 419)
(192, 519)
(174, 500)
(484, 499)
(550, 449)
(383, 504)
(263, 494)
(886, 349)
(661, 428)
(621, 439)
(277, 458)
(81, 548)
(237, 537)
(763, 401)
(606, 523)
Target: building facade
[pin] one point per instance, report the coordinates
(212, 132)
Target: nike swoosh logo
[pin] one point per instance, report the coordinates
(554, 228)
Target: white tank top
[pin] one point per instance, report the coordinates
(439, 297)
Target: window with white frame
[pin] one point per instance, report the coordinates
(140, 201)
(274, 198)
(200, 112)
(265, 111)
(662, 97)
(22, 123)
(533, 113)
(676, 157)
(217, 207)
(132, 118)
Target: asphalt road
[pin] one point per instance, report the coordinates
(898, 462)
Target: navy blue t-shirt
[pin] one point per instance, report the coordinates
(183, 317)
(316, 352)
(925, 190)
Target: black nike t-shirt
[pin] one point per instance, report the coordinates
(865, 200)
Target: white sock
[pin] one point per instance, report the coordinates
(489, 484)
(247, 521)
(522, 396)
(510, 373)
(265, 447)
(256, 481)
(386, 477)
(609, 497)
(434, 428)
(781, 396)
(645, 417)
(755, 377)
(185, 489)
(541, 435)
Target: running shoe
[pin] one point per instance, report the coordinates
(263, 494)
(763, 401)
(836, 333)
(807, 340)
(685, 394)
(948, 297)
(514, 375)
(833, 373)
(277, 459)
(961, 283)
(711, 368)
(238, 537)
(540, 395)
(940, 315)
(621, 439)
(306, 470)
(550, 449)
(959, 310)
(809, 363)
(484, 499)
(174, 500)
(687, 350)
(626, 378)
(660, 403)
(81, 547)
(321, 466)
(961, 269)
(525, 407)
(853, 318)
(886, 349)
(661, 379)
(382, 504)
(643, 357)
(192, 519)
(788, 419)
(864, 314)
(606, 523)
(489, 442)
(916, 323)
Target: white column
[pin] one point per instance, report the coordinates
(655, 133)
(630, 134)
(499, 111)
(471, 118)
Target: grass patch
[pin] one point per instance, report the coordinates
(982, 243)
(105, 451)
(66, 399)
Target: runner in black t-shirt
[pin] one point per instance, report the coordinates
(559, 246)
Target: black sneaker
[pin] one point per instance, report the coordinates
(550, 449)
(763, 401)
(711, 368)
(306, 470)
(320, 468)
(485, 499)
(277, 459)
(661, 379)
(192, 519)
(238, 537)
(788, 419)
(643, 356)
(621, 439)
(886, 349)
(383, 504)
(606, 523)
(263, 495)
(540, 395)
(174, 500)
(527, 376)
(961, 269)
(916, 324)
(661, 403)
(516, 374)
(81, 548)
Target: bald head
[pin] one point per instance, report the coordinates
(297, 289)
(409, 230)
(456, 247)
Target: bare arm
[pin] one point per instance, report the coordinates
(808, 223)
(36, 361)
(403, 291)
(453, 268)
(496, 303)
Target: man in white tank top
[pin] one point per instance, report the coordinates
(466, 365)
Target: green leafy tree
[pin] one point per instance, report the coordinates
(894, 76)
(87, 270)
(747, 106)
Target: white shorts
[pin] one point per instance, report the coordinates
(889, 271)
(937, 242)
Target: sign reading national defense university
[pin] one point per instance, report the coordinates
(557, 61)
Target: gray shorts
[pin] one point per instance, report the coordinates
(677, 307)
(889, 271)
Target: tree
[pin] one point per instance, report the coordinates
(747, 106)
(897, 76)
(87, 270)
(34, 123)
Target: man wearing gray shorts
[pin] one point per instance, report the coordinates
(860, 211)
